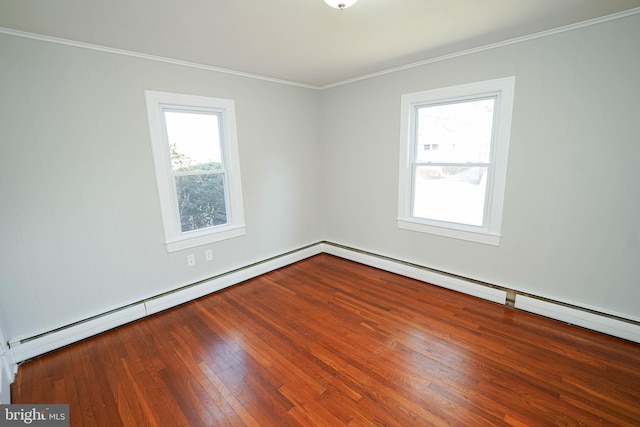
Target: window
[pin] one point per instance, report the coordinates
(197, 168)
(453, 160)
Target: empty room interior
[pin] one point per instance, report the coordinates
(314, 212)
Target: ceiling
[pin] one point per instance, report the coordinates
(301, 41)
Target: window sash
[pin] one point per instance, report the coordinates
(415, 165)
(469, 164)
(200, 172)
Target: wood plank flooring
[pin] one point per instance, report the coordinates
(328, 342)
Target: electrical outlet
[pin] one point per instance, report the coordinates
(191, 260)
(208, 254)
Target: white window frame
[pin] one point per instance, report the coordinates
(175, 238)
(489, 232)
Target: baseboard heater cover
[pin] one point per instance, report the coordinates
(172, 299)
(27, 348)
(424, 275)
(586, 318)
(578, 317)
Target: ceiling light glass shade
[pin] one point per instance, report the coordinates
(340, 4)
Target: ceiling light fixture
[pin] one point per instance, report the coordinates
(340, 4)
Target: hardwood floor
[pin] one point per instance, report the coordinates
(329, 342)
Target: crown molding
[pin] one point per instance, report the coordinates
(509, 42)
(73, 43)
(57, 40)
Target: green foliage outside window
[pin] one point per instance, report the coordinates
(201, 197)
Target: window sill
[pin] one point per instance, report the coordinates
(193, 240)
(484, 237)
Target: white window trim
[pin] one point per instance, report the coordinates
(175, 239)
(490, 233)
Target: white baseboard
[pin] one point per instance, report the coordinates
(445, 281)
(24, 349)
(585, 319)
(27, 349)
(173, 299)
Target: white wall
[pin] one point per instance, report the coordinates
(79, 212)
(572, 206)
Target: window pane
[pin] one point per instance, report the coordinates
(458, 132)
(201, 201)
(194, 140)
(451, 194)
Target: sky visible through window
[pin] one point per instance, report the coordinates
(195, 135)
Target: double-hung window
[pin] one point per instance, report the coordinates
(197, 168)
(453, 160)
